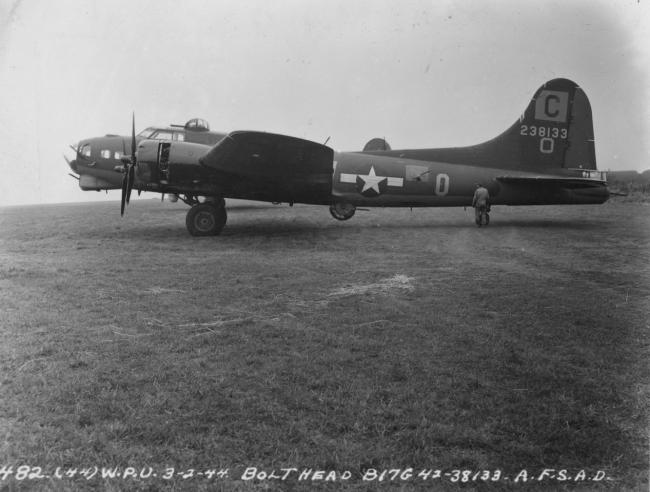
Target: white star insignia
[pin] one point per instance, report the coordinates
(371, 180)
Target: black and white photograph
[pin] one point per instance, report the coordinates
(367, 245)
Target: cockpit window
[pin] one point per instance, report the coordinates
(85, 150)
(146, 133)
(179, 136)
(162, 135)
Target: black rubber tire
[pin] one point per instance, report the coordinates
(345, 211)
(206, 219)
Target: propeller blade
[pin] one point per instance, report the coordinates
(123, 194)
(129, 183)
(129, 170)
(133, 135)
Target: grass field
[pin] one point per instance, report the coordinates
(396, 340)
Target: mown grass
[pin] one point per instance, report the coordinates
(397, 339)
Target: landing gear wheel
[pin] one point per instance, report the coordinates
(206, 219)
(342, 211)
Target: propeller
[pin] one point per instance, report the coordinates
(129, 170)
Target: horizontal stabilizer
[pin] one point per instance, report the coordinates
(554, 180)
(547, 190)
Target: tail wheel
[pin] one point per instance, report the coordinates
(206, 219)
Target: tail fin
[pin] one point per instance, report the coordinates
(555, 131)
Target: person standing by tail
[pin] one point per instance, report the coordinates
(481, 204)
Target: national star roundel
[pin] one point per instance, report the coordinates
(370, 184)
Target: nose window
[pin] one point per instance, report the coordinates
(106, 154)
(85, 150)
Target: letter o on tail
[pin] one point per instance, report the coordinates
(546, 145)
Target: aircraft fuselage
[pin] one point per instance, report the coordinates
(370, 180)
(373, 180)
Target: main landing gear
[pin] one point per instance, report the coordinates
(342, 210)
(207, 219)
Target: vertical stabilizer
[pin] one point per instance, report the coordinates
(554, 132)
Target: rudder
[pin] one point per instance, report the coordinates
(556, 129)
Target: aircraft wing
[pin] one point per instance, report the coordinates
(274, 167)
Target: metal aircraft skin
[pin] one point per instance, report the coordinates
(97, 158)
(546, 157)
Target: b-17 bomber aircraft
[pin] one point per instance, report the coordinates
(546, 157)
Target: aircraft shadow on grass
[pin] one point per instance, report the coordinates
(279, 227)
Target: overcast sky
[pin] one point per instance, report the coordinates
(420, 73)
